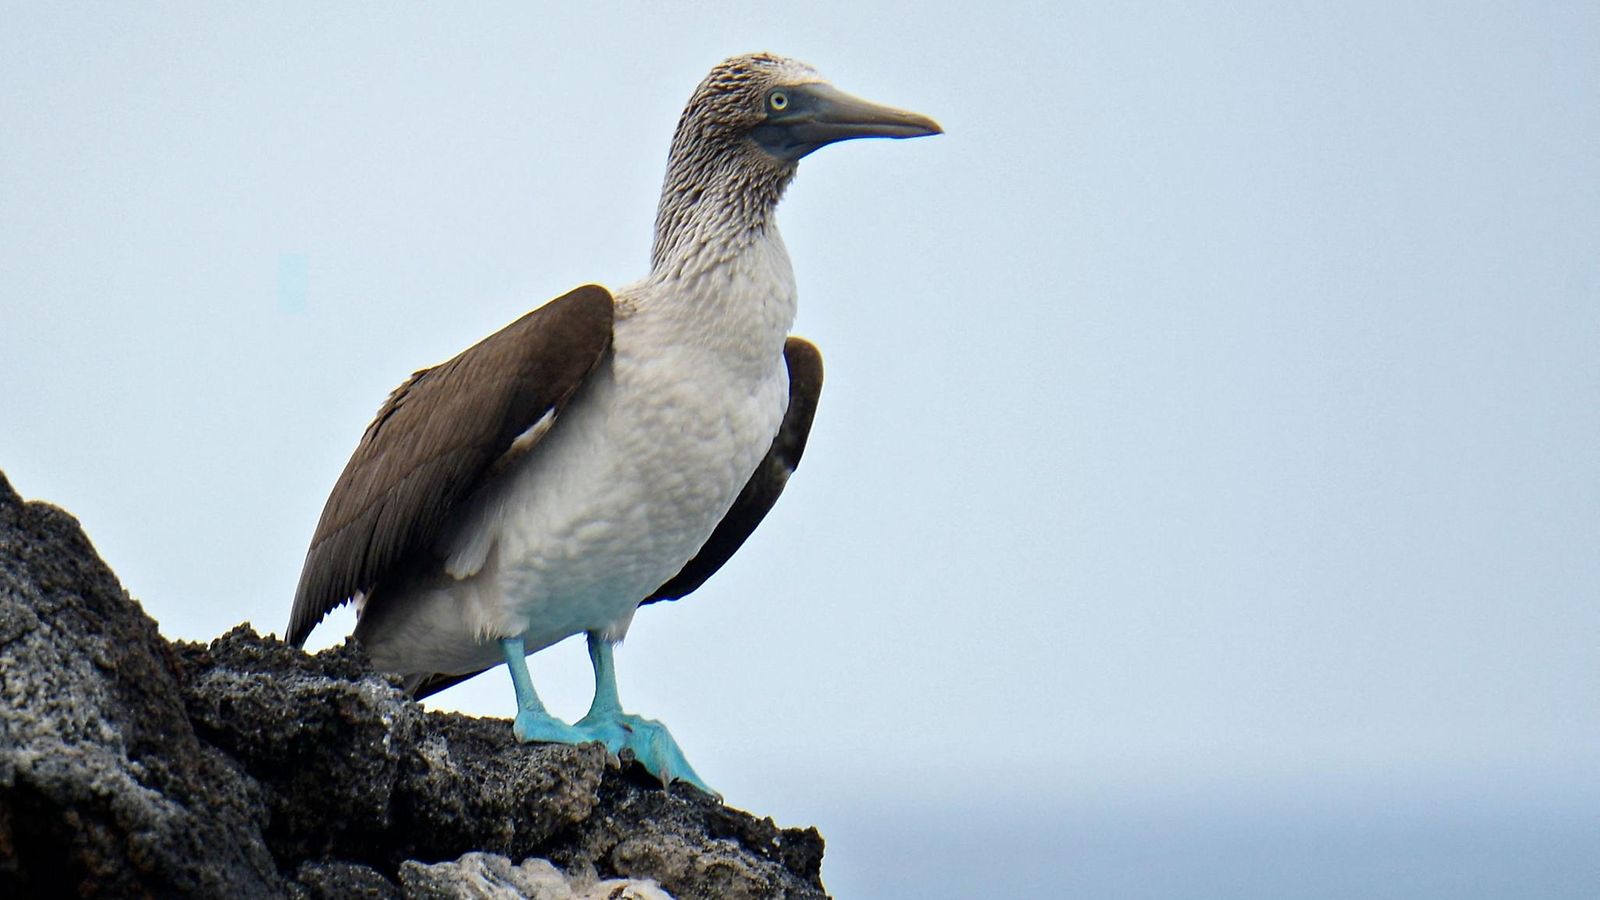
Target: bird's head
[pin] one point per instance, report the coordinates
(785, 110)
(741, 136)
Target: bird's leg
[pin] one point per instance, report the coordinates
(534, 723)
(651, 743)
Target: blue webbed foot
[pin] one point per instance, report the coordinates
(650, 741)
(535, 726)
(533, 723)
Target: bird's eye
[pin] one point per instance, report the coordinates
(778, 100)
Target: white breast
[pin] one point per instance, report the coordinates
(628, 484)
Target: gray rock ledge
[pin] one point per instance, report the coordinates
(134, 767)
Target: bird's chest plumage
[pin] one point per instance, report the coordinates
(650, 455)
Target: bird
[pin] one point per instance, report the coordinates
(607, 450)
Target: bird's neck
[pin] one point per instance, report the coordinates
(720, 279)
(713, 207)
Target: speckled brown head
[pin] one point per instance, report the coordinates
(741, 135)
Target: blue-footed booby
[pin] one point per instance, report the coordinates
(607, 449)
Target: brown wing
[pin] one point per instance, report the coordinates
(435, 441)
(753, 503)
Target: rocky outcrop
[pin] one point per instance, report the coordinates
(245, 768)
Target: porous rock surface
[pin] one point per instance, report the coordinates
(132, 767)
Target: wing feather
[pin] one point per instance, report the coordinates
(437, 438)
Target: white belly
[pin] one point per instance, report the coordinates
(625, 489)
(627, 496)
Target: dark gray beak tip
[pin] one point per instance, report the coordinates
(910, 125)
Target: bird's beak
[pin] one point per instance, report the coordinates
(837, 116)
(821, 114)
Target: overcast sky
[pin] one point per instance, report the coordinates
(1211, 430)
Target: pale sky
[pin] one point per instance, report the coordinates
(1209, 437)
